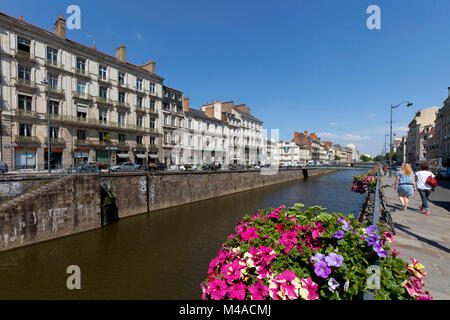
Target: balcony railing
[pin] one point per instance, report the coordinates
(56, 141)
(25, 83)
(56, 90)
(96, 122)
(27, 139)
(120, 104)
(80, 71)
(81, 95)
(153, 112)
(24, 55)
(103, 100)
(53, 64)
(25, 113)
(152, 146)
(140, 146)
(122, 144)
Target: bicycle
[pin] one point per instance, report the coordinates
(386, 213)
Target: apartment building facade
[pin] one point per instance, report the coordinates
(95, 101)
(418, 133)
(442, 130)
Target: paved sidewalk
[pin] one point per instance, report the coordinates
(426, 238)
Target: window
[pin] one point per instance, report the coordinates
(139, 139)
(102, 72)
(24, 102)
(102, 115)
(166, 138)
(81, 114)
(102, 92)
(190, 124)
(121, 96)
(152, 105)
(81, 65)
(52, 56)
(166, 106)
(23, 44)
(122, 137)
(139, 101)
(166, 120)
(53, 80)
(174, 107)
(173, 121)
(152, 87)
(152, 123)
(139, 83)
(139, 121)
(81, 87)
(25, 130)
(152, 140)
(122, 78)
(121, 118)
(81, 134)
(54, 132)
(24, 73)
(54, 107)
(102, 135)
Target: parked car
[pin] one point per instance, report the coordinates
(88, 167)
(3, 168)
(212, 166)
(157, 166)
(125, 167)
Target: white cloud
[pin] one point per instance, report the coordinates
(333, 124)
(352, 137)
(372, 116)
(343, 137)
(139, 36)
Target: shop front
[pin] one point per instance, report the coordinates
(25, 157)
(122, 156)
(140, 157)
(80, 156)
(153, 157)
(56, 156)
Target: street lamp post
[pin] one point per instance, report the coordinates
(408, 104)
(49, 145)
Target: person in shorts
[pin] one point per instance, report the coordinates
(424, 189)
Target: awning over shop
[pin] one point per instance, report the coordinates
(123, 155)
(153, 156)
(141, 156)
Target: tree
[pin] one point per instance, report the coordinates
(336, 158)
(379, 158)
(365, 158)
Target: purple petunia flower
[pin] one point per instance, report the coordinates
(372, 239)
(318, 257)
(321, 269)
(341, 219)
(339, 234)
(378, 248)
(332, 284)
(371, 230)
(334, 260)
(346, 226)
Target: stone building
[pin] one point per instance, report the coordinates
(442, 130)
(418, 134)
(172, 120)
(96, 100)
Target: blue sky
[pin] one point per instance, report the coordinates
(299, 65)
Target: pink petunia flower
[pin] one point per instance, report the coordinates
(237, 291)
(218, 289)
(259, 291)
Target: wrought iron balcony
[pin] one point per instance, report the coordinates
(27, 139)
(56, 141)
(25, 113)
(24, 56)
(103, 100)
(81, 95)
(120, 104)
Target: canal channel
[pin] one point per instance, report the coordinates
(162, 255)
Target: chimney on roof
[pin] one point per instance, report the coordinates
(149, 66)
(21, 18)
(241, 107)
(186, 104)
(121, 53)
(306, 134)
(449, 91)
(209, 111)
(60, 27)
(248, 110)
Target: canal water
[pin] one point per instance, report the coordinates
(162, 255)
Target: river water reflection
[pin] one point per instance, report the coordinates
(163, 255)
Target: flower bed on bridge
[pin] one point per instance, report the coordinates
(292, 253)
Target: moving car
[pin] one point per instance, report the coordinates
(125, 167)
(88, 167)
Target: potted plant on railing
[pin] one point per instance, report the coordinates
(291, 253)
(363, 183)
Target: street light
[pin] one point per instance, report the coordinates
(408, 104)
(46, 81)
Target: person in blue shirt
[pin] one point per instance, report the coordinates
(405, 184)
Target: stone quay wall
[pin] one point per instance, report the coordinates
(76, 203)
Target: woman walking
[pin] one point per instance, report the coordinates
(424, 188)
(405, 184)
